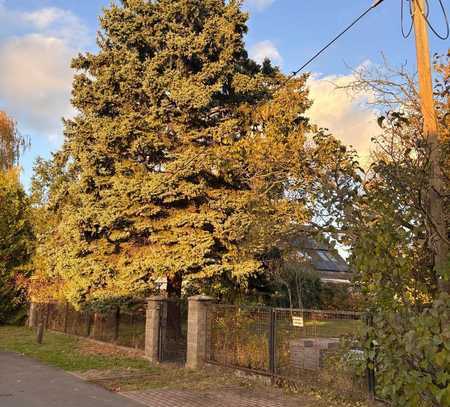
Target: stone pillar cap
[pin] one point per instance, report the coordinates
(157, 298)
(201, 297)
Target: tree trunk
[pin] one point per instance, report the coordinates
(174, 285)
(299, 286)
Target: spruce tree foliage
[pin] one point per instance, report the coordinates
(50, 181)
(181, 158)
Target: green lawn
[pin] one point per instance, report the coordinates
(336, 328)
(63, 351)
(333, 328)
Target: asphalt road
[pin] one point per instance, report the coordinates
(27, 383)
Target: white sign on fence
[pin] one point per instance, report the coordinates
(297, 321)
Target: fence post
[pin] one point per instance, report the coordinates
(152, 323)
(272, 342)
(197, 331)
(116, 324)
(40, 333)
(66, 315)
(89, 321)
(371, 364)
(47, 313)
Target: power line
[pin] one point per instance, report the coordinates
(329, 44)
(405, 34)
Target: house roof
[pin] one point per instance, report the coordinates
(325, 260)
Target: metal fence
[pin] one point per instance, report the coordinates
(173, 330)
(310, 347)
(124, 326)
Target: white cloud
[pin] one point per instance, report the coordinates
(259, 4)
(35, 82)
(45, 17)
(58, 23)
(346, 115)
(265, 49)
(35, 73)
(51, 21)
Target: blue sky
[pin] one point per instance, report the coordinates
(38, 38)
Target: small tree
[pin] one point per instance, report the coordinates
(293, 274)
(11, 142)
(15, 227)
(16, 244)
(392, 219)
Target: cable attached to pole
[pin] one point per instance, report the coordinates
(405, 34)
(329, 44)
(426, 15)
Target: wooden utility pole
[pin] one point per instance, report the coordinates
(437, 219)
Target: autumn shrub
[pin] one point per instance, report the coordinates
(413, 355)
(240, 338)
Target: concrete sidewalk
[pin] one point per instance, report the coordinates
(27, 383)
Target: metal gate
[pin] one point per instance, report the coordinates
(310, 347)
(173, 331)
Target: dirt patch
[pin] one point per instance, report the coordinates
(112, 374)
(92, 347)
(178, 378)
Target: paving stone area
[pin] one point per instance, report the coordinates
(222, 398)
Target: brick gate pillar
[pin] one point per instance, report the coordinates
(152, 323)
(197, 331)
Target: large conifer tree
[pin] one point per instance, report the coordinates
(180, 150)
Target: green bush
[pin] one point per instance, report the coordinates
(16, 245)
(413, 355)
(340, 297)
